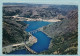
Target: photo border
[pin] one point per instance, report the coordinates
(62, 2)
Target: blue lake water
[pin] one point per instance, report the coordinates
(42, 39)
(42, 42)
(33, 25)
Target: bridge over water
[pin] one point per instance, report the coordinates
(34, 31)
(29, 49)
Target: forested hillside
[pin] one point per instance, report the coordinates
(13, 31)
(64, 35)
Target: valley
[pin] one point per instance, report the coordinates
(41, 28)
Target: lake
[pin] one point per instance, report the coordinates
(43, 40)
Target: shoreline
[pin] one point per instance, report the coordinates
(41, 29)
(48, 20)
(37, 19)
(32, 19)
(49, 37)
(19, 46)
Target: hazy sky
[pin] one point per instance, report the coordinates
(44, 1)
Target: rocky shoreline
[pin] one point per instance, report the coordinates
(38, 19)
(19, 46)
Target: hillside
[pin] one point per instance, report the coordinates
(13, 31)
(64, 35)
(44, 11)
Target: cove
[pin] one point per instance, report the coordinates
(42, 39)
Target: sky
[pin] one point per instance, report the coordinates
(75, 2)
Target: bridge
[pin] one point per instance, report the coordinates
(29, 49)
(34, 31)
